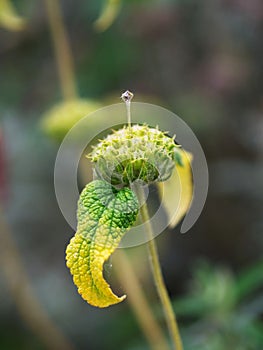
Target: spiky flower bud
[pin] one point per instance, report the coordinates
(134, 153)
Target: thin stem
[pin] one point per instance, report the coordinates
(127, 96)
(157, 274)
(62, 50)
(128, 106)
(139, 304)
(27, 303)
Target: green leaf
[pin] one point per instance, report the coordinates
(249, 280)
(9, 18)
(104, 215)
(108, 15)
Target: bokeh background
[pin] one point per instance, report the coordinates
(200, 59)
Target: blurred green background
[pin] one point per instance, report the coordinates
(200, 59)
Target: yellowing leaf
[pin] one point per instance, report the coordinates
(104, 215)
(109, 13)
(176, 193)
(57, 121)
(9, 18)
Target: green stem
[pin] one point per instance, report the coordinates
(139, 304)
(157, 274)
(62, 50)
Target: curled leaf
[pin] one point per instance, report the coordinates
(177, 192)
(108, 15)
(104, 215)
(9, 18)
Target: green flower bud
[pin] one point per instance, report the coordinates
(135, 153)
(58, 120)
